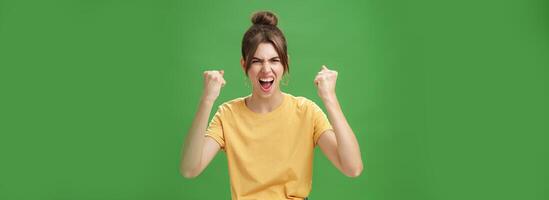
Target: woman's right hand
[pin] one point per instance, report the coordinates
(213, 81)
(197, 150)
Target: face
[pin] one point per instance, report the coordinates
(266, 70)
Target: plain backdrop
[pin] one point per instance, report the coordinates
(448, 99)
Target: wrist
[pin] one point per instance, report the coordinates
(332, 104)
(329, 98)
(207, 100)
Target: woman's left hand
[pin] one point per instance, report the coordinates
(325, 82)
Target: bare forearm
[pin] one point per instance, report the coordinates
(192, 148)
(347, 144)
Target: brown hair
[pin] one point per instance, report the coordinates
(264, 30)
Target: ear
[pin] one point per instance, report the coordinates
(243, 64)
(288, 55)
(288, 59)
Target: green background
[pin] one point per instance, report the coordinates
(448, 99)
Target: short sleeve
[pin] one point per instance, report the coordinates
(320, 122)
(215, 128)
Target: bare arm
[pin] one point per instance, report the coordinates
(198, 150)
(339, 145)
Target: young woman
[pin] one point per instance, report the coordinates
(269, 136)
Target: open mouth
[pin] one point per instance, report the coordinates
(266, 83)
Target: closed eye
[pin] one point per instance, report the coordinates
(274, 59)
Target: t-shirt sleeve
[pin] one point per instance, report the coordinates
(215, 128)
(320, 122)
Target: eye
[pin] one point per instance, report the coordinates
(255, 61)
(275, 60)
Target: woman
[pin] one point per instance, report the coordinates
(269, 136)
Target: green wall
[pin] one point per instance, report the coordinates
(449, 100)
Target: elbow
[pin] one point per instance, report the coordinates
(190, 174)
(354, 172)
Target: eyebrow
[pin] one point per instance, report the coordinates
(262, 59)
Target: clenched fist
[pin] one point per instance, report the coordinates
(213, 81)
(325, 82)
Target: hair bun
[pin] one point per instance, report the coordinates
(264, 18)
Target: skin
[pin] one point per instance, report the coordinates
(339, 145)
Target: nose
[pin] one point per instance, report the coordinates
(266, 67)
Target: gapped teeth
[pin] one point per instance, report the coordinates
(266, 79)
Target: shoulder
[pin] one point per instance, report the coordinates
(233, 102)
(231, 105)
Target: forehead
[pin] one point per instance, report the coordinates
(265, 51)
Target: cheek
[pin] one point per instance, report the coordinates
(252, 76)
(252, 71)
(279, 70)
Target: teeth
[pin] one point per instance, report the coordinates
(266, 79)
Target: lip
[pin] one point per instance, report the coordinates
(266, 77)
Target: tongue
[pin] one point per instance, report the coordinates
(265, 85)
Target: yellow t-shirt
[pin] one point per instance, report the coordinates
(270, 155)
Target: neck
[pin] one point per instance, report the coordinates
(260, 104)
